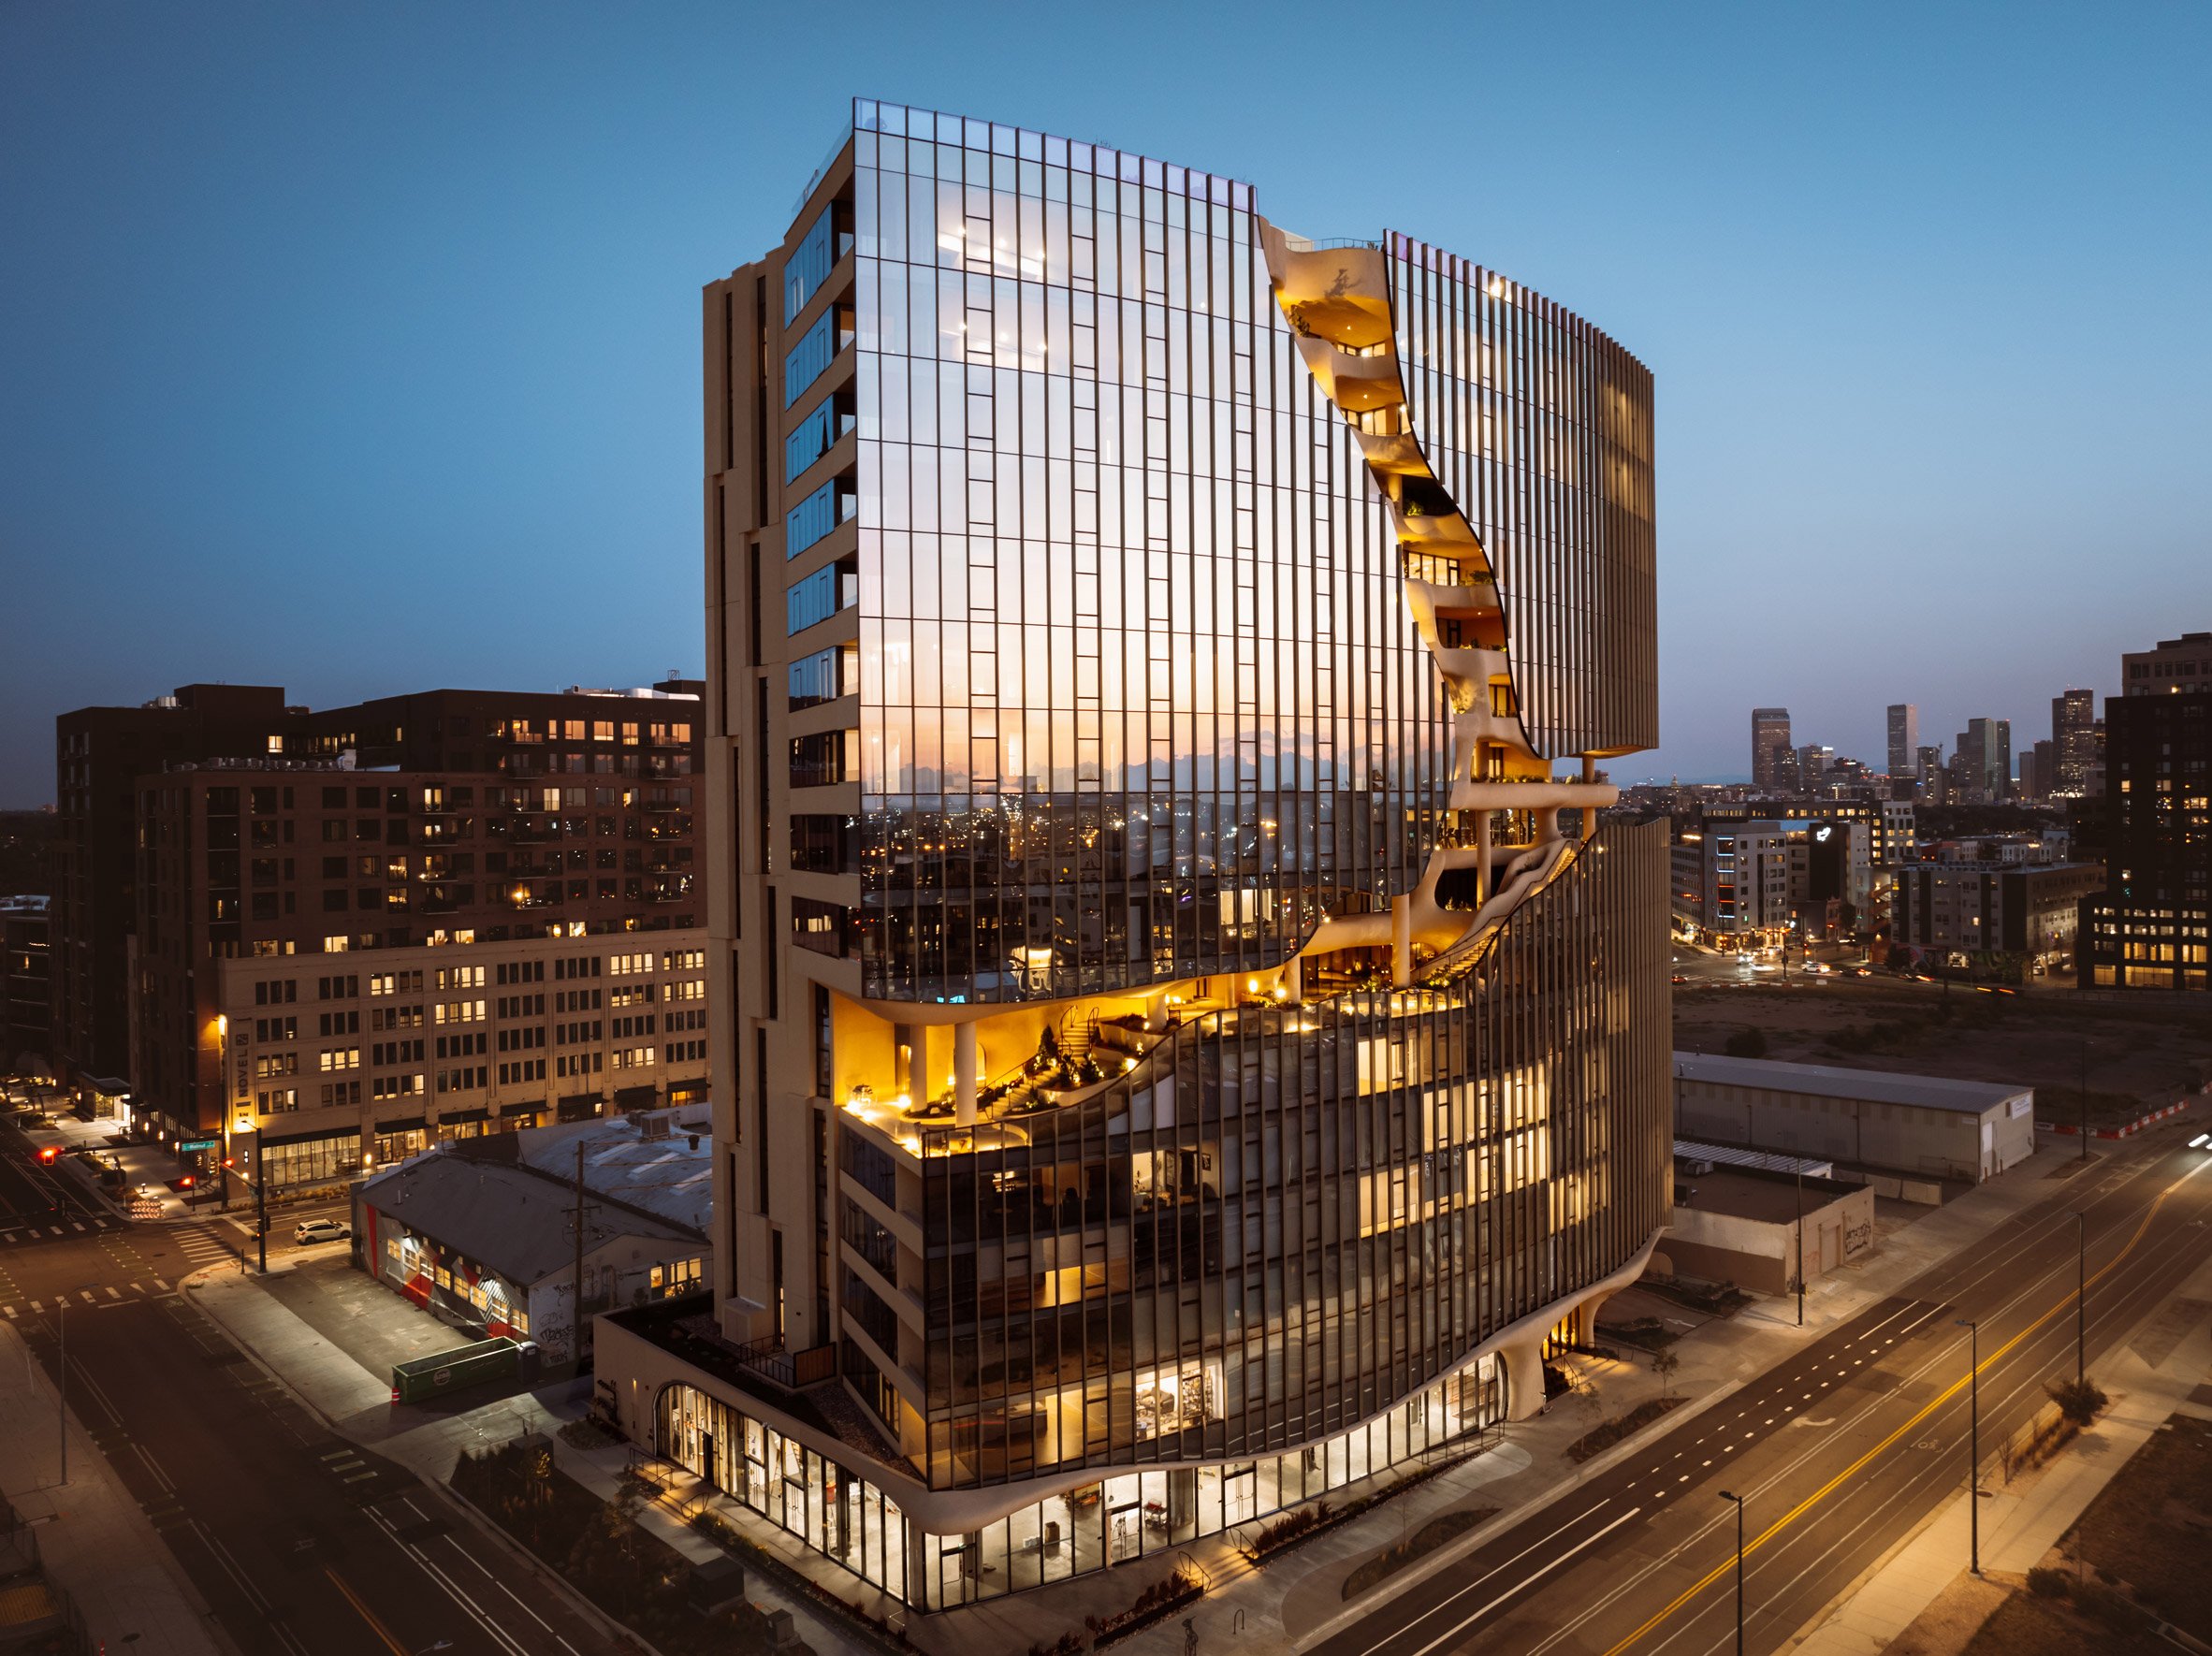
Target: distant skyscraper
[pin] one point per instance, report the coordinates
(1904, 738)
(1988, 745)
(1814, 759)
(1927, 774)
(1770, 744)
(2073, 740)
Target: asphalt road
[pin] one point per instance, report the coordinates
(300, 1543)
(1839, 1453)
(41, 1202)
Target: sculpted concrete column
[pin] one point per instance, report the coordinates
(964, 1067)
(1401, 941)
(1524, 1378)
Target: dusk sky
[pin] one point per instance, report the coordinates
(355, 348)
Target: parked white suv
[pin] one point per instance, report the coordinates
(321, 1230)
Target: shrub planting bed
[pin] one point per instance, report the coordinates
(600, 1548)
(1599, 1439)
(1449, 1526)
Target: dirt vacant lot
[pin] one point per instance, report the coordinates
(2137, 1056)
(2144, 1538)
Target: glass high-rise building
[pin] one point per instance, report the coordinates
(1184, 1038)
(1904, 738)
(2073, 740)
(1773, 760)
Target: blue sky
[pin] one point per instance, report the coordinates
(355, 347)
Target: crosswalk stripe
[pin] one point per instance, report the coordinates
(75, 1225)
(10, 1308)
(112, 1294)
(88, 1298)
(162, 1286)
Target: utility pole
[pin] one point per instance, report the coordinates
(261, 1205)
(576, 1338)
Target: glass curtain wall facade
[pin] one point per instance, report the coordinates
(1178, 1040)
(1138, 698)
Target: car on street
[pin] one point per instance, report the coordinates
(321, 1230)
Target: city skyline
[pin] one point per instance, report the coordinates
(413, 393)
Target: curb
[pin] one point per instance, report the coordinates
(1841, 1600)
(1456, 1548)
(620, 1636)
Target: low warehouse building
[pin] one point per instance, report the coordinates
(476, 1234)
(1861, 1119)
(1747, 1226)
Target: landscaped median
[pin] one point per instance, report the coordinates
(601, 1549)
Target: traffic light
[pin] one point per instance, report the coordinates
(229, 1162)
(51, 1154)
(187, 1182)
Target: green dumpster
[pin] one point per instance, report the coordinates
(443, 1372)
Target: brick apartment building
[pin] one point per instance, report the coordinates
(441, 841)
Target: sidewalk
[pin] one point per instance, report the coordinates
(93, 1541)
(1291, 1605)
(1298, 1602)
(2021, 1525)
(357, 1404)
(151, 1165)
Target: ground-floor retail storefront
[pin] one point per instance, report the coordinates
(798, 1479)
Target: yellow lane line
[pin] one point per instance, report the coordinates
(1953, 1390)
(367, 1615)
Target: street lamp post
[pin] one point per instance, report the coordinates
(2081, 1297)
(60, 1381)
(2084, 1046)
(1799, 1227)
(1738, 1500)
(1974, 1464)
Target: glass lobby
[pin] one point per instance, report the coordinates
(854, 1523)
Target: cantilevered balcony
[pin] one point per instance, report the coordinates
(1357, 382)
(1392, 453)
(1547, 798)
(1333, 291)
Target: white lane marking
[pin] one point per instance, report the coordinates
(230, 1566)
(469, 1605)
(1488, 1574)
(1528, 1582)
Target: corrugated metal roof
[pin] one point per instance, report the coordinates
(1731, 1156)
(515, 1219)
(1823, 1081)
